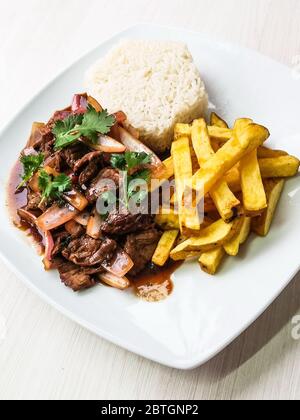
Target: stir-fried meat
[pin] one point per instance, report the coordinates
(34, 201)
(85, 160)
(74, 153)
(124, 223)
(75, 277)
(54, 161)
(108, 179)
(87, 252)
(90, 165)
(43, 141)
(141, 247)
(61, 240)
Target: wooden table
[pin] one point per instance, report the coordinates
(43, 355)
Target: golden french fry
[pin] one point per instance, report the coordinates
(183, 256)
(232, 247)
(261, 225)
(254, 196)
(209, 238)
(217, 121)
(165, 247)
(223, 198)
(228, 156)
(279, 167)
(210, 261)
(188, 214)
(246, 229)
(220, 133)
(182, 130)
(167, 219)
(264, 152)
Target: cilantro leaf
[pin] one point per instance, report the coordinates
(88, 125)
(53, 187)
(129, 160)
(118, 161)
(96, 122)
(134, 159)
(31, 165)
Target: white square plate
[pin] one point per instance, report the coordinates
(204, 314)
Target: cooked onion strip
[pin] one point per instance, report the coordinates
(121, 264)
(134, 145)
(55, 216)
(121, 283)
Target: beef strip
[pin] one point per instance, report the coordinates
(124, 223)
(89, 167)
(61, 240)
(87, 252)
(74, 153)
(33, 202)
(98, 186)
(141, 247)
(77, 278)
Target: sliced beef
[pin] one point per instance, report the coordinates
(34, 202)
(88, 167)
(108, 179)
(72, 154)
(61, 240)
(141, 247)
(124, 223)
(54, 161)
(77, 278)
(87, 252)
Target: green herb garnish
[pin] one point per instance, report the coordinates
(133, 181)
(31, 165)
(53, 187)
(129, 160)
(88, 125)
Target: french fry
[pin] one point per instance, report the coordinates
(254, 196)
(232, 247)
(264, 152)
(279, 167)
(167, 219)
(220, 133)
(261, 225)
(223, 198)
(188, 215)
(228, 156)
(165, 247)
(182, 130)
(184, 256)
(210, 261)
(217, 121)
(209, 238)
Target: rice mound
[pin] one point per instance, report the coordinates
(157, 85)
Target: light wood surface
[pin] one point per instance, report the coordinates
(43, 355)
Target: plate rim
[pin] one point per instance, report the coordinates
(181, 364)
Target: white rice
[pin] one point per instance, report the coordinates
(155, 83)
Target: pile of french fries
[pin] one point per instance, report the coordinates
(239, 180)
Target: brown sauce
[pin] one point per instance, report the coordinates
(17, 200)
(155, 283)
